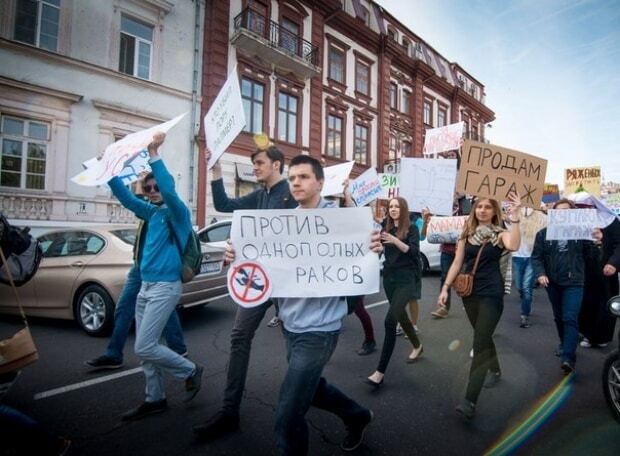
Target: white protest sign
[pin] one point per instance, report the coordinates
(225, 119)
(443, 139)
(248, 284)
(390, 183)
(309, 252)
(442, 230)
(335, 177)
(120, 154)
(571, 224)
(366, 187)
(427, 182)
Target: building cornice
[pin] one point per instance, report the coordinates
(123, 109)
(68, 96)
(52, 57)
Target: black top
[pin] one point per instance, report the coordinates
(488, 280)
(396, 259)
(277, 197)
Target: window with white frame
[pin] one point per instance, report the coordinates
(136, 48)
(37, 23)
(23, 153)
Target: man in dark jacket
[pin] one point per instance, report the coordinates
(268, 165)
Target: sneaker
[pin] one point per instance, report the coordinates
(585, 343)
(442, 312)
(367, 348)
(218, 425)
(568, 367)
(275, 321)
(104, 362)
(145, 409)
(471, 353)
(603, 345)
(492, 379)
(525, 322)
(355, 432)
(193, 384)
(467, 409)
(399, 330)
(185, 354)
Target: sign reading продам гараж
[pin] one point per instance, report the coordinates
(494, 172)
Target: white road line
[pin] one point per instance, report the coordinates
(76, 386)
(376, 304)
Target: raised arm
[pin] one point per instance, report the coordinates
(141, 208)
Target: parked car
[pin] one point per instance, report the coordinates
(217, 233)
(83, 271)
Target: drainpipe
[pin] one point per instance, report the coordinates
(195, 74)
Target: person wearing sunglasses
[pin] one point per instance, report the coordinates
(160, 268)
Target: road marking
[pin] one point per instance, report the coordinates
(80, 385)
(376, 304)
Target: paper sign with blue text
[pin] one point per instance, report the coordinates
(571, 224)
(366, 187)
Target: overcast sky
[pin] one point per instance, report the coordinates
(551, 70)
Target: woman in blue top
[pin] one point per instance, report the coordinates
(402, 280)
(484, 306)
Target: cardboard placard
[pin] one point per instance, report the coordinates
(583, 180)
(494, 172)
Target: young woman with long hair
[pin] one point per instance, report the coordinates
(484, 306)
(402, 281)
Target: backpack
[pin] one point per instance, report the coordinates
(191, 257)
(22, 252)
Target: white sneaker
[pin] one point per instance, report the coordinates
(471, 353)
(275, 321)
(585, 343)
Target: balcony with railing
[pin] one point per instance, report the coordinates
(268, 40)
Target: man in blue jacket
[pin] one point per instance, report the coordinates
(160, 268)
(268, 165)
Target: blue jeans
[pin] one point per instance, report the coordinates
(124, 315)
(20, 434)
(303, 386)
(523, 274)
(445, 261)
(566, 303)
(156, 302)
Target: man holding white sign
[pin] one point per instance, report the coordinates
(311, 329)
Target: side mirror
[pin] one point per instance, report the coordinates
(614, 306)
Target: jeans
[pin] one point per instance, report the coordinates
(483, 313)
(523, 274)
(398, 290)
(445, 261)
(20, 434)
(246, 323)
(303, 386)
(566, 303)
(156, 302)
(124, 315)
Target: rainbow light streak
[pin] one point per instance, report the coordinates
(543, 410)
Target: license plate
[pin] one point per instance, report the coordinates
(211, 267)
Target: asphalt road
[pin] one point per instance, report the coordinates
(414, 410)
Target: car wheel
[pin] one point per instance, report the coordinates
(426, 267)
(611, 383)
(94, 310)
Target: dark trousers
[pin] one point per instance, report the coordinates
(483, 313)
(397, 287)
(303, 386)
(356, 304)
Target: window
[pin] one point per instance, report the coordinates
(405, 148)
(289, 36)
(337, 62)
(24, 153)
(252, 94)
(428, 112)
(362, 77)
(392, 153)
(442, 117)
(392, 34)
(36, 22)
(360, 152)
(393, 96)
(334, 136)
(217, 233)
(406, 46)
(70, 243)
(406, 108)
(136, 48)
(287, 118)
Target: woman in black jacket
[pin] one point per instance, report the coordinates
(559, 266)
(402, 281)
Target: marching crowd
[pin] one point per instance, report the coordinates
(497, 244)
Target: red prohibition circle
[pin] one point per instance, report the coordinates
(254, 267)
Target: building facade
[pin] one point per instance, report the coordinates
(340, 80)
(76, 75)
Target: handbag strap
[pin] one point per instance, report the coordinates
(10, 276)
(473, 271)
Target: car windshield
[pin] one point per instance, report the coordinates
(128, 235)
